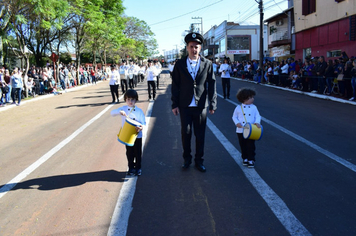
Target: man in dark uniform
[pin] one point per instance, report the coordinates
(193, 93)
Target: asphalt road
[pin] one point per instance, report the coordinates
(69, 169)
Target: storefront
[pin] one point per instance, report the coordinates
(280, 53)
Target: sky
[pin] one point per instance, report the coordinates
(169, 20)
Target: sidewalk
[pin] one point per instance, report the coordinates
(40, 97)
(316, 95)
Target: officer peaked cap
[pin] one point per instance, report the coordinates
(194, 37)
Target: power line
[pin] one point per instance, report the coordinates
(265, 8)
(185, 14)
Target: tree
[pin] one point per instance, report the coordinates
(141, 42)
(65, 58)
(39, 23)
(97, 27)
(34, 24)
(5, 13)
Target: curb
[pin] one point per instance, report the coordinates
(41, 97)
(320, 96)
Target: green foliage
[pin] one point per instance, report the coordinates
(140, 39)
(65, 58)
(86, 57)
(47, 26)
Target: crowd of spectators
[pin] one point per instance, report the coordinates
(332, 78)
(42, 80)
(316, 75)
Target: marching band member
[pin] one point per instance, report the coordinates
(123, 70)
(159, 69)
(114, 80)
(141, 73)
(136, 75)
(131, 72)
(151, 73)
(225, 70)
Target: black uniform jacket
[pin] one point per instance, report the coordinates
(203, 87)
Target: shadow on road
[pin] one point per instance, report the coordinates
(84, 105)
(70, 180)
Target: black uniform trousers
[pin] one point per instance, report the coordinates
(131, 83)
(151, 84)
(123, 85)
(114, 89)
(226, 85)
(157, 84)
(135, 78)
(193, 118)
(248, 148)
(134, 154)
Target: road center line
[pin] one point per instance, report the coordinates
(10, 185)
(276, 204)
(332, 156)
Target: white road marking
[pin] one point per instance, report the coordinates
(332, 156)
(123, 208)
(10, 185)
(276, 204)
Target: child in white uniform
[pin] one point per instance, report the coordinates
(246, 113)
(133, 153)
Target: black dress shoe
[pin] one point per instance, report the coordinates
(200, 167)
(186, 164)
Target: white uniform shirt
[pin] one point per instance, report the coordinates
(170, 67)
(136, 114)
(159, 67)
(251, 113)
(137, 68)
(193, 67)
(114, 77)
(141, 70)
(151, 73)
(123, 70)
(285, 69)
(227, 69)
(131, 71)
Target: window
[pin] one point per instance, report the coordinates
(236, 42)
(307, 52)
(308, 7)
(222, 45)
(336, 53)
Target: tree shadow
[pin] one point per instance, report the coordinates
(66, 181)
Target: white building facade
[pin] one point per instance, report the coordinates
(238, 42)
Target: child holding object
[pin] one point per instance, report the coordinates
(243, 114)
(133, 153)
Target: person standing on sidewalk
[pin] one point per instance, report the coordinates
(193, 93)
(17, 85)
(320, 72)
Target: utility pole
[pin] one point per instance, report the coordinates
(177, 51)
(201, 23)
(260, 6)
